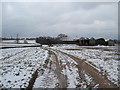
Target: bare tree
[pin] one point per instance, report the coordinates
(61, 36)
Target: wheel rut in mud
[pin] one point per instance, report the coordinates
(55, 66)
(51, 66)
(98, 78)
(62, 78)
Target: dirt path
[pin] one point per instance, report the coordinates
(57, 63)
(49, 74)
(98, 78)
(62, 78)
(75, 79)
(32, 80)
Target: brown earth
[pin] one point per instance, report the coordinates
(98, 78)
(53, 60)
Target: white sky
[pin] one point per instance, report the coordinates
(60, 0)
(81, 19)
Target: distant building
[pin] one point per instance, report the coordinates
(81, 41)
(111, 42)
(92, 42)
(101, 41)
(66, 39)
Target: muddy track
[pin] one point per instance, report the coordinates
(97, 77)
(48, 65)
(62, 78)
(55, 61)
(32, 80)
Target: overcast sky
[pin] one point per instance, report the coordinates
(76, 19)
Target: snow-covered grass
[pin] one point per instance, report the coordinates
(73, 76)
(47, 80)
(17, 65)
(20, 41)
(103, 58)
(12, 43)
(71, 71)
(46, 74)
(6, 53)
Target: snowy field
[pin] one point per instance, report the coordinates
(56, 69)
(103, 58)
(17, 66)
(20, 41)
(62, 73)
(12, 43)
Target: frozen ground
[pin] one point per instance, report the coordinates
(103, 58)
(56, 69)
(62, 72)
(20, 41)
(12, 43)
(18, 65)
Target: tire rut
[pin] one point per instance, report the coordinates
(62, 78)
(49, 63)
(97, 77)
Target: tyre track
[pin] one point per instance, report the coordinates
(97, 77)
(82, 66)
(62, 78)
(51, 65)
(69, 70)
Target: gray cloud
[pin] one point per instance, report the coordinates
(50, 19)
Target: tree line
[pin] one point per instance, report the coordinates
(81, 41)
